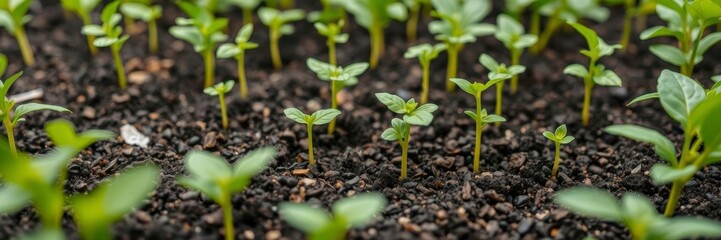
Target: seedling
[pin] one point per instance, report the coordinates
(352, 212)
(481, 115)
(248, 6)
(220, 90)
(512, 34)
(339, 78)
(204, 32)
(687, 102)
(559, 12)
(516, 8)
(637, 213)
(111, 200)
(278, 23)
(500, 71)
(12, 115)
(237, 50)
(334, 35)
(13, 19)
(558, 137)
(146, 13)
(400, 130)
(425, 54)
(458, 26)
(632, 9)
(3, 64)
(214, 177)
(414, 13)
(687, 23)
(595, 73)
(375, 16)
(331, 12)
(319, 117)
(110, 34)
(84, 9)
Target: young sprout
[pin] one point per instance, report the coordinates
(13, 19)
(414, 13)
(146, 13)
(347, 213)
(110, 34)
(481, 115)
(559, 12)
(375, 16)
(339, 78)
(512, 34)
(218, 180)
(685, 101)
(400, 130)
(332, 12)
(220, 89)
(558, 137)
(500, 71)
(687, 23)
(595, 73)
(516, 8)
(237, 50)
(248, 6)
(319, 117)
(457, 27)
(84, 9)
(333, 34)
(111, 200)
(280, 4)
(637, 213)
(3, 64)
(12, 115)
(631, 7)
(278, 23)
(425, 54)
(203, 31)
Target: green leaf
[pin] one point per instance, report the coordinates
(638, 208)
(127, 190)
(419, 118)
(607, 78)
(391, 134)
(663, 147)
(679, 95)
(644, 97)
(550, 136)
(669, 54)
(492, 119)
(393, 102)
(691, 228)
(137, 11)
(44, 234)
(356, 69)
(12, 199)
(705, 10)
(577, 70)
(465, 85)
(23, 109)
(397, 11)
(488, 62)
(63, 134)
(254, 162)
(660, 31)
(357, 211)
(663, 174)
(228, 50)
(3, 64)
(189, 34)
(104, 41)
(589, 34)
(710, 129)
(567, 140)
(109, 11)
(244, 34)
(306, 218)
(590, 202)
(205, 186)
(561, 131)
(93, 30)
(296, 115)
(204, 165)
(324, 116)
(707, 42)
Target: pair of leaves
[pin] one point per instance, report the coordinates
(637, 213)
(141, 11)
(597, 48)
(80, 7)
(601, 75)
(459, 22)
(676, 56)
(560, 135)
(485, 118)
(347, 75)
(499, 70)
(425, 52)
(319, 117)
(220, 88)
(332, 31)
(12, 14)
(202, 30)
(109, 33)
(477, 88)
(242, 43)
(7, 105)
(376, 13)
(512, 34)
(214, 177)
(398, 131)
(412, 113)
(353, 212)
(278, 20)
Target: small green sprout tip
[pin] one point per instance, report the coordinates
(110, 34)
(500, 71)
(339, 78)
(237, 51)
(13, 18)
(319, 117)
(375, 17)
(558, 137)
(84, 10)
(147, 13)
(333, 34)
(278, 23)
(220, 89)
(512, 34)
(425, 54)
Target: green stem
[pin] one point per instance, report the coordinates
(240, 59)
(425, 85)
(479, 136)
(153, 36)
(247, 16)
(129, 24)
(694, 51)
(24, 44)
(119, 68)
(515, 60)
(673, 198)
(228, 220)
(404, 154)
(209, 60)
(545, 37)
(86, 21)
(274, 51)
(556, 159)
(535, 22)
(311, 159)
(331, 51)
(377, 42)
(9, 128)
(585, 114)
(452, 68)
(412, 24)
(223, 110)
(628, 20)
(499, 100)
(333, 105)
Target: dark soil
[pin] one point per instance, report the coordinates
(443, 199)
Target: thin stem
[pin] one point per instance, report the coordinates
(404, 154)
(425, 85)
(119, 68)
(628, 20)
(499, 100)
(274, 51)
(153, 36)
(223, 110)
(228, 220)
(241, 75)
(311, 159)
(694, 51)
(331, 51)
(556, 159)
(673, 198)
(545, 37)
(24, 44)
(209, 59)
(412, 25)
(585, 114)
(129, 24)
(377, 42)
(86, 21)
(535, 22)
(9, 128)
(515, 60)
(247, 16)
(333, 104)
(452, 68)
(479, 136)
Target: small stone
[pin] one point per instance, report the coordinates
(272, 235)
(308, 182)
(330, 174)
(188, 195)
(353, 181)
(300, 172)
(143, 216)
(193, 140)
(89, 112)
(521, 200)
(120, 97)
(133, 137)
(139, 77)
(210, 140)
(525, 225)
(442, 214)
(248, 234)
(288, 181)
